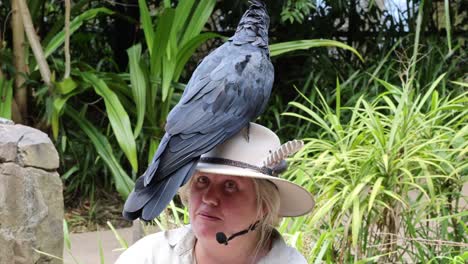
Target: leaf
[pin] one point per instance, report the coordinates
(322, 251)
(353, 196)
(66, 235)
(118, 118)
(168, 74)
(356, 225)
(187, 50)
(375, 191)
(323, 209)
(6, 97)
(123, 243)
(429, 92)
(138, 86)
(464, 84)
(57, 106)
(161, 36)
(445, 217)
(284, 47)
(75, 24)
(198, 20)
(123, 183)
(183, 10)
(318, 120)
(101, 251)
(147, 25)
(66, 86)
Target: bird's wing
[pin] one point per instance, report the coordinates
(228, 90)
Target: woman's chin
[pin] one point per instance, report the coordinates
(206, 229)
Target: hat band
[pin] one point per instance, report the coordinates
(238, 164)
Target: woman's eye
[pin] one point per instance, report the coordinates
(230, 186)
(202, 180)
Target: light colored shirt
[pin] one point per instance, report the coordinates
(176, 247)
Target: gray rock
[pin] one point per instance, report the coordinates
(6, 122)
(31, 199)
(28, 147)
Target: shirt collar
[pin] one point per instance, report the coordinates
(181, 239)
(277, 251)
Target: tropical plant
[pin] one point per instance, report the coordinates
(152, 78)
(170, 43)
(6, 97)
(387, 175)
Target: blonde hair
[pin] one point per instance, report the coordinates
(268, 206)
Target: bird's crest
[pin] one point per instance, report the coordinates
(253, 26)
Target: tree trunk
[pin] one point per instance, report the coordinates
(21, 92)
(35, 43)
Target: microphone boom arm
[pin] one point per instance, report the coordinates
(222, 238)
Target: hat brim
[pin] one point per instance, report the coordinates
(294, 199)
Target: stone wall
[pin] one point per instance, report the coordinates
(31, 199)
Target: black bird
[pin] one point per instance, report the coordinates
(228, 89)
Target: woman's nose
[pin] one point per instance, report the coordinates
(211, 196)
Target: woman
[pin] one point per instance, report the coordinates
(235, 200)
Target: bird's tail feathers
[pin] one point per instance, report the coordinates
(166, 193)
(147, 202)
(151, 170)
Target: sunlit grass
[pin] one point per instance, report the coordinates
(379, 171)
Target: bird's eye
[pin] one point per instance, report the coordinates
(230, 186)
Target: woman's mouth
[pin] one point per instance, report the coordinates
(209, 217)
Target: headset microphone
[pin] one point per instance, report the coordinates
(222, 238)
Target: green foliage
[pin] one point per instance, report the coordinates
(123, 183)
(58, 39)
(117, 115)
(296, 10)
(284, 47)
(170, 44)
(138, 84)
(386, 162)
(6, 95)
(380, 168)
(145, 93)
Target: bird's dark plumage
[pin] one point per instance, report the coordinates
(228, 89)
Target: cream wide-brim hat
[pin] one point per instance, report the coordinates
(244, 155)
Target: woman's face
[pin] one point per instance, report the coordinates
(221, 203)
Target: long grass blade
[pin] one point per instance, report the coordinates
(147, 25)
(118, 117)
(198, 19)
(448, 25)
(429, 92)
(123, 243)
(137, 80)
(6, 97)
(419, 24)
(356, 224)
(183, 10)
(101, 251)
(122, 181)
(47, 254)
(161, 41)
(66, 235)
(375, 191)
(187, 50)
(284, 47)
